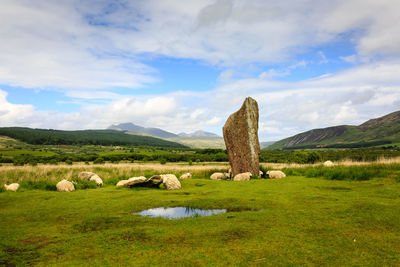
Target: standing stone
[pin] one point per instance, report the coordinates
(241, 138)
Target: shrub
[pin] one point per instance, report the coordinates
(163, 161)
(84, 184)
(113, 181)
(68, 161)
(53, 162)
(18, 162)
(33, 163)
(98, 161)
(355, 173)
(264, 171)
(39, 185)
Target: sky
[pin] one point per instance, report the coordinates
(187, 65)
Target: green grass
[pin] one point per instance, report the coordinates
(292, 221)
(356, 173)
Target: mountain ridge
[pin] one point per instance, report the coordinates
(374, 132)
(83, 137)
(131, 127)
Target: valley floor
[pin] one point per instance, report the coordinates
(291, 221)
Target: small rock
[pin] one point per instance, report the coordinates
(135, 181)
(154, 181)
(122, 183)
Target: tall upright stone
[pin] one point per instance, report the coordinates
(241, 138)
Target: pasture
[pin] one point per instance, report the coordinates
(298, 220)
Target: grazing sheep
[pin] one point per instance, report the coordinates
(328, 163)
(219, 176)
(186, 176)
(245, 176)
(65, 186)
(171, 182)
(12, 187)
(97, 179)
(85, 175)
(90, 176)
(276, 174)
(122, 183)
(260, 173)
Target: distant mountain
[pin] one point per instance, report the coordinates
(375, 132)
(200, 142)
(197, 139)
(85, 137)
(136, 128)
(198, 133)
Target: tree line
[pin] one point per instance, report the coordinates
(85, 137)
(206, 155)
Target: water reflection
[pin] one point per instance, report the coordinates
(178, 212)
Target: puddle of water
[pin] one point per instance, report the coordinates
(178, 212)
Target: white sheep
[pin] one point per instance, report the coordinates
(165, 177)
(12, 187)
(276, 174)
(186, 176)
(219, 176)
(97, 179)
(85, 175)
(260, 173)
(171, 182)
(244, 176)
(65, 186)
(328, 163)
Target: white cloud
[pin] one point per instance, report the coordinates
(12, 114)
(87, 49)
(98, 44)
(350, 59)
(286, 108)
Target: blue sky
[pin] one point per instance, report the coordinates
(185, 66)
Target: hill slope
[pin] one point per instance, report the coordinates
(136, 128)
(200, 142)
(198, 134)
(380, 131)
(86, 137)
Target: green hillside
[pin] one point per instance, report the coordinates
(85, 137)
(376, 132)
(192, 142)
(200, 142)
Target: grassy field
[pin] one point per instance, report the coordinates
(293, 221)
